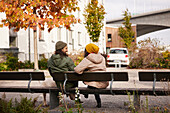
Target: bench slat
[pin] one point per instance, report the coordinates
(149, 76)
(84, 90)
(91, 76)
(22, 75)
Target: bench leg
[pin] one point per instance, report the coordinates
(137, 102)
(54, 99)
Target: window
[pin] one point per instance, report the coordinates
(79, 38)
(109, 39)
(70, 36)
(12, 37)
(118, 51)
(41, 35)
(79, 11)
(59, 33)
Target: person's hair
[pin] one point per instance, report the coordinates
(86, 53)
(61, 53)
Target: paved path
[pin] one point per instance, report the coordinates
(110, 104)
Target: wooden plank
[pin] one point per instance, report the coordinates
(91, 76)
(84, 90)
(22, 75)
(149, 76)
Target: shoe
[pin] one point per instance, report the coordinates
(72, 96)
(86, 95)
(98, 105)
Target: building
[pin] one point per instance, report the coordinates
(113, 40)
(22, 43)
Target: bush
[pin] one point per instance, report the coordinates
(77, 57)
(12, 64)
(149, 56)
(25, 65)
(24, 106)
(165, 61)
(43, 63)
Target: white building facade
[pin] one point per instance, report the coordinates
(76, 38)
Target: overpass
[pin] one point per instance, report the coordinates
(147, 22)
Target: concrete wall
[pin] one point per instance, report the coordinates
(4, 33)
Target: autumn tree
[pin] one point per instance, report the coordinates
(94, 16)
(32, 13)
(126, 32)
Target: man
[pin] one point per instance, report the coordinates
(60, 62)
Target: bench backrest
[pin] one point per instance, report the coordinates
(149, 76)
(91, 76)
(22, 75)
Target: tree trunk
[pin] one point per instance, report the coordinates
(35, 51)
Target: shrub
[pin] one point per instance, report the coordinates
(77, 57)
(10, 64)
(165, 61)
(25, 65)
(43, 63)
(148, 55)
(25, 105)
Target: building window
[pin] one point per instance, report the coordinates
(59, 33)
(79, 11)
(70, 37)
(79, 38)
(41, 35)
(12, 37)
(109, 37)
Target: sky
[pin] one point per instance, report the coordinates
(115, 9)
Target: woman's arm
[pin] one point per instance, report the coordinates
(84, 64)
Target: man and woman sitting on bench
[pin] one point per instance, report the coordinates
(93, 61)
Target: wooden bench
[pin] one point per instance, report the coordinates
(22, 76)
(86, 76)
(150, 76)
(114, 77)
(153, 77)
(89, 76)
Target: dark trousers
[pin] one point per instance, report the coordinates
(97, 96)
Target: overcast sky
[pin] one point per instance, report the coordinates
(115, 9)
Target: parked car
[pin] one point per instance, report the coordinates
(118, 56)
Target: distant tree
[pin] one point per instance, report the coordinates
(126, 32)
(33, 13)
(94, 16)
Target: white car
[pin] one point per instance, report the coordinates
(118, 56)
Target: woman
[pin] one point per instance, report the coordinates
(93, 61)
(60, 62)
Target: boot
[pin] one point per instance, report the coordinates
(86, 95)
(72, 96)
(98, 100)
(98, 105)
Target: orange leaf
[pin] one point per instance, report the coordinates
(1, 25)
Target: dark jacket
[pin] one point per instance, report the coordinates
(58, 64)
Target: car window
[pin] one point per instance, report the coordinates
(118, 51)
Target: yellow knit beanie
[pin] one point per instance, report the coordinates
(92, 48)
